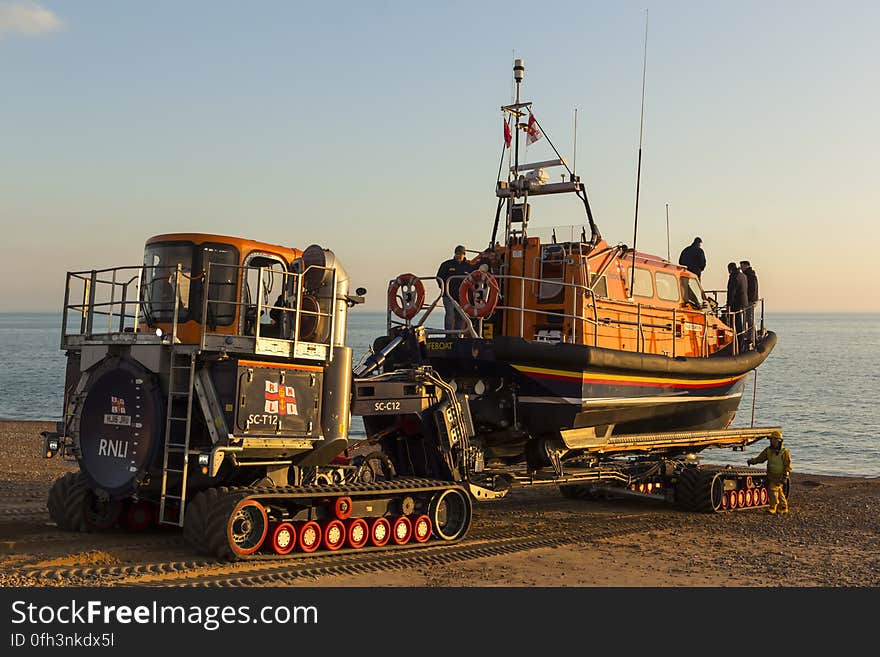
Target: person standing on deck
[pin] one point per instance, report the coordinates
(737, 299)
(752, 294)
(778, 472)
(693, 258)
(455, 269)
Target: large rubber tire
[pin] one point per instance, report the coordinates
(74, 507)
(450, 514)
(67, 503)
(685, 489)
(216, 521)
(196, 518)
(709, 492)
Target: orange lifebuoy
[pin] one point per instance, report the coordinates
(406, 294)
(478, 294)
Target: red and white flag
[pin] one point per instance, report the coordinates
(533, 132)
(507, 135)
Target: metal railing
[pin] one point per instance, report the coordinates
(133, 309)
(113, 293)
(288, 318)
(647, 323)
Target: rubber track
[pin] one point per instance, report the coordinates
(210, 510)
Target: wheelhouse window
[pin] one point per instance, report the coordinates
(692, 292)
(667, 286)
(643, 285)
(600, 288)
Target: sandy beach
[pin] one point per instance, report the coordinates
(532, 538)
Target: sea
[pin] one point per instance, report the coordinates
(820, 384)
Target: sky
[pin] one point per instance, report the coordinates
(374, 129)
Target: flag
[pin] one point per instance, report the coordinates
(280, 399)
(532, 130)
(507, 135)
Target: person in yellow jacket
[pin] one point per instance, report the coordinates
(778, 471)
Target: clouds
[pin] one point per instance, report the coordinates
(27, 18)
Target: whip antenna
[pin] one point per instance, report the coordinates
(668, 257)
(639, 168)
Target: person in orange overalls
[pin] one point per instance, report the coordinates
(778, 471)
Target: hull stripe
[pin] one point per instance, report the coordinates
(623, 401)
(630, 380)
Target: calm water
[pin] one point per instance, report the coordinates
(820, 384)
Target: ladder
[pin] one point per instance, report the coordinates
(181, 381)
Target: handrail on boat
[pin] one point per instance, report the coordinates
(638, 319)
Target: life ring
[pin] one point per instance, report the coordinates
(406, 294)
(478, 294)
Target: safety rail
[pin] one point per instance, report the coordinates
(285, 335)
(751, 331)
(134, 300)
(113, 293)
(632, 318)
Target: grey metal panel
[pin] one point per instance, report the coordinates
(91, 355)
(150, 356)
(212, 409)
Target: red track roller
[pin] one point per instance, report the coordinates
(309, 536)
(380, 532)
(283, 538)
(749, 497)
(342, 507)
(740, 498)
(421, 528)
(334, 534)
(357, 533)
(725, 501)
(732, 499)
(765, 495)
(401, 530)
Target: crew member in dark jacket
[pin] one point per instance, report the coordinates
(737, 298)
(453, 270)
(693, 257)
(752, 294)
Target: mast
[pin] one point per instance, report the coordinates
(525, 180)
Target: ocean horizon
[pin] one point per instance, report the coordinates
(819, 384)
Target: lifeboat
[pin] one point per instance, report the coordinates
(577, 337)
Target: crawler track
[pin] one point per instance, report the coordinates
(234, 523)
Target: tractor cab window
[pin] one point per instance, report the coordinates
(263, 286)
(220, 264)
(161, 285)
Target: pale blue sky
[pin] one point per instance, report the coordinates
(374, 129)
